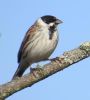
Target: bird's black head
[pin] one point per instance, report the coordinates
(50, 19)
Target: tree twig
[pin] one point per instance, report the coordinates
(60, 63)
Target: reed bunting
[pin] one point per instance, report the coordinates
(38, 44)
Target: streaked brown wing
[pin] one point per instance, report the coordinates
(25, 41)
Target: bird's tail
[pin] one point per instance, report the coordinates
(19, 72)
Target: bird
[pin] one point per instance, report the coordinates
(39, 43)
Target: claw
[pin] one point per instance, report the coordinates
(39, 71)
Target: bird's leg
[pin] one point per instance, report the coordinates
(54, 59)
(32, 70)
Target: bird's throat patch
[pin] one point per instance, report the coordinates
(52, 29)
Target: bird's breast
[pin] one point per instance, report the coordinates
(42, 47)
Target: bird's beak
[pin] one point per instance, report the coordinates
(58, 21)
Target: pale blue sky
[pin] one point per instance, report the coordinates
(16, 16)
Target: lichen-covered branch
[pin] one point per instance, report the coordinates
(60, 63)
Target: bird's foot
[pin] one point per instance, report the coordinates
(37, 71)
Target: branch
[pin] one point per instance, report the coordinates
(64, 61)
